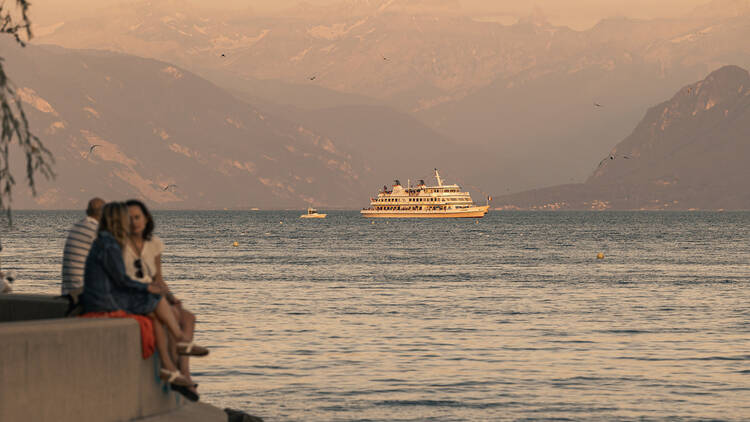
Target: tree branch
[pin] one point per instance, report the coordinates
(13, 121)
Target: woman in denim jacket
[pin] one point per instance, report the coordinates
(107, 288)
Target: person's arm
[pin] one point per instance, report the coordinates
(157, 264)
(160, 280)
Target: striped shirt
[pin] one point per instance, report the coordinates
(77, 246)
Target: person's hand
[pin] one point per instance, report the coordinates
(155, 288)
(158, 280)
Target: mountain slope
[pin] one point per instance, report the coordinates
(157, 125)
(546, 116)
(689, 152)
(395, 144)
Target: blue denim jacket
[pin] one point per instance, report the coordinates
(106, 287)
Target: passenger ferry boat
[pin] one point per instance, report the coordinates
(441, 201)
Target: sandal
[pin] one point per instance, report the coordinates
(191, 349)
(174, 377)
(186, 391)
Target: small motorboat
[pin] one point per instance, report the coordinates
(313, 213)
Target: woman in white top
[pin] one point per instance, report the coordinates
(142, 259)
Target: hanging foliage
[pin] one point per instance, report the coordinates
(14, 21)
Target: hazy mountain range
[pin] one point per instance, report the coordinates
(157, 125)
(153, 125)
(400, 88)
(689, 152)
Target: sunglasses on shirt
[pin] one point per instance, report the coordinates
(138, 268)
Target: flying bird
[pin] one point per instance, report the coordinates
(598, 105)
(612, 157)
(91, 149)
(312, 78)
(386, 58)
(168, 186)
(223, 55)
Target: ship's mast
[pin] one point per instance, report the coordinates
(437, 176)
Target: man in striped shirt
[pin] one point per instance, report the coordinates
(77, 246)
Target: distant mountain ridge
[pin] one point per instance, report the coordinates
(157, 125)
(379, 48)
(521, 93)
(689, 152)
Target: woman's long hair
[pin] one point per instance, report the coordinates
(116, 221)
(149, 229)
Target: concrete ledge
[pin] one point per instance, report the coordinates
(80, 369)
(18, 307)
(197, 412)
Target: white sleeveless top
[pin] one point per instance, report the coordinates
(151, 249)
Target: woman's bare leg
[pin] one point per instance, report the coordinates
(187, 323)
(173, 341)
(173, 349)
(165, 315)
(161, 344)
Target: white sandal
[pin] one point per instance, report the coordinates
(191, 349)
(174, 377)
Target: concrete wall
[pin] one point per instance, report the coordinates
(80, 369)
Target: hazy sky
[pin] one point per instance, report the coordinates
(576, 13)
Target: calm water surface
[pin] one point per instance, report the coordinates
(505, 318)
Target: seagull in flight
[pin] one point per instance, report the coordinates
(168, 186)
(223, 55)
(598, 105)
(612, 157)
(91, 149)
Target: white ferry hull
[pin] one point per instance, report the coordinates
(472, 212)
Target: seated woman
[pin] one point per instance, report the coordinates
(107, 288)
(142, 257)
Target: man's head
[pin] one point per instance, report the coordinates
(94, 209)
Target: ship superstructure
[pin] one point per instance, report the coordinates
(422, 201)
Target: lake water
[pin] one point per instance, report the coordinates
(504, 318)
